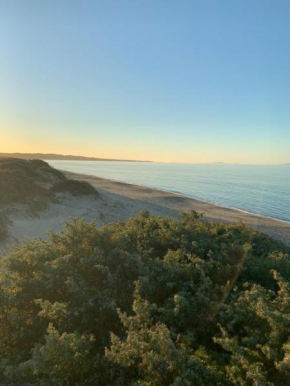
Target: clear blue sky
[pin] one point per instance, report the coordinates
(188, 81)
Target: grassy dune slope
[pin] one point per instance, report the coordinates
(33, 183)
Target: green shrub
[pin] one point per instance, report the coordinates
(76, 188)
(146, 301)
(4, 227)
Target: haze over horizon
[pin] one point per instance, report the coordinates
(187, 81)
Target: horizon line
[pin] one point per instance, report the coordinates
(71, 157)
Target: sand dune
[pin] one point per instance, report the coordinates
(120, 201)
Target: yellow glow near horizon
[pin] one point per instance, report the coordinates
(59, 142)
(139, 154)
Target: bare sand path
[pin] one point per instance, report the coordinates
(171, 204)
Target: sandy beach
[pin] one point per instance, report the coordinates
(162, 203)
(120, 201)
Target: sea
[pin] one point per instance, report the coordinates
(258, 189)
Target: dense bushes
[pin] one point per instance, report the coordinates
(147, 301)
(76, 188)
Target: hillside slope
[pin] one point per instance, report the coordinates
(35, 198)
(30, 186)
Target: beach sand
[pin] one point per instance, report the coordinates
(120, 201)
(170, 204)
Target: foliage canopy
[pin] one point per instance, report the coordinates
(146, 301)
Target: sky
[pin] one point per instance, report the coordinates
(169, 81)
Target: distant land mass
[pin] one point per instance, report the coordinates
(60, 157)
(218, 162)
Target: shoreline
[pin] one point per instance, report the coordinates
(182, 195)
(195, 198)
(219, 204)
(229, 207)
(173, 204)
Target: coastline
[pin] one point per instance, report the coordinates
(163, 203)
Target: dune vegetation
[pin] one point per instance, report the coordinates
(33, 184)
(146, 301)
(4, 227)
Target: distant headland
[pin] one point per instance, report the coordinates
(60, 157)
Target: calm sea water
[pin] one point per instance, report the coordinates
(263, 190)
